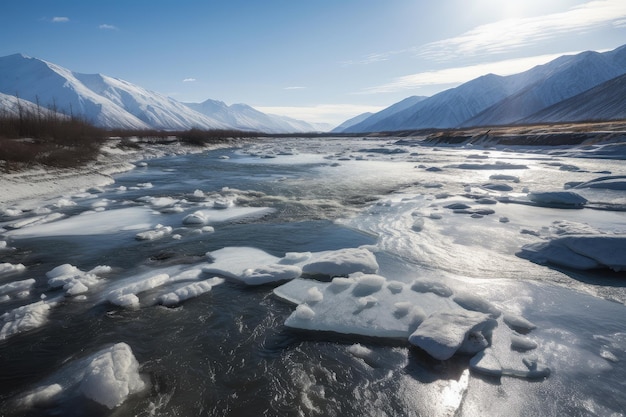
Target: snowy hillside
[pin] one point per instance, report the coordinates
(244, 117)
(564, 78)
(444, 110)
(351, 122)
(367, 124)
(10, 106)
(604, 102)
(114, 103)
(497, 100)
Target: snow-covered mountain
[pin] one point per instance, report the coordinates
(606, 101)
(351, 122)
(551, 83)
(387, 113)
(244, 117)
(497, 100)
(114, 103)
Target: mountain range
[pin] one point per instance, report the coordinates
(113, 103)
(581, 87)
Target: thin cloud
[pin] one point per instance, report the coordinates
(460, 75)
(189, 80)
(375, 57)
(105, 26)
(505, 35)
(294, 88)
(60, 19)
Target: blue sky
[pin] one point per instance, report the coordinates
(317, 60)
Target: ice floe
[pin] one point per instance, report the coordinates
(443, 334)
(108, 377)
(92, 223)
(73, 280)
(25, 318)
(189, 291)
(111, 376)
(9, 268)
(560, 199)
(579, 252)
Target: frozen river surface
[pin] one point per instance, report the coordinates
(330, 277)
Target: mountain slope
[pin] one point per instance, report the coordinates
(606, 101)
(565, 77)
(56, 87)
(244, 117)
(443, 110)
(351, 122)
(387, 113)
(113, 103)
(497, 100)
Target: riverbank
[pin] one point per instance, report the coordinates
(25, 189)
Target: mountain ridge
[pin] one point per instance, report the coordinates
(114, 103)
(492, 100)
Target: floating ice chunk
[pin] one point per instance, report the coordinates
(24, 318)
(228, 214)
(607, 250)
(9, 268)
(232, 262)
(608, 355)
(41, 396)
(126, 296)
(192, 290)
(518, 323)
(304, 312)
(16, 287)
(197, 218)
(341, 262)
(395, 286)
(457, 206)
(270, 273)
(384, 314)
(3, 244)
(37, 220)
(92, 223)
(100, 269)
(424, 285)
(223, 203)
(368, 284)
(295, 257)
(73, 280)
(64, 202)
(475, 303)
(360, 351)
(503, 177)
(111, 376)
(553, 252)
(580, 252)
(497, 187)
(617, 182)
(367, 301)
(487, 363)
(559, 199)
(11, 212)
(314, 295)
(444, 333)
(522, 343)
(159, 232)
(495, 166)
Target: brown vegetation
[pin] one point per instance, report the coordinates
(48, 138)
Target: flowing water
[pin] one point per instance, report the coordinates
(228, 353)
